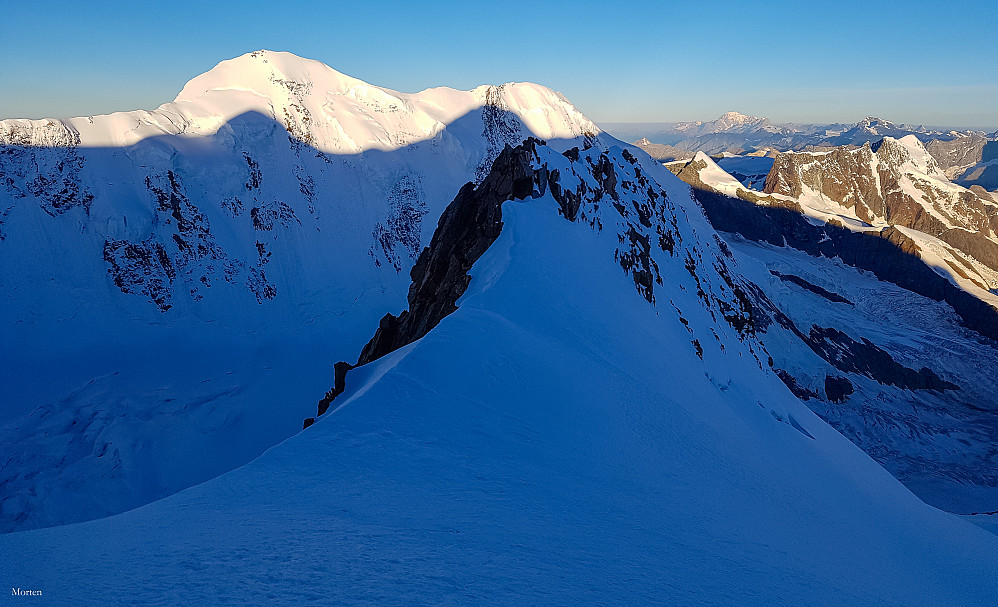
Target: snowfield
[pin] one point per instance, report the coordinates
(556, 440)
(597, 422)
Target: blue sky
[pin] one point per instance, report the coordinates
(920, 62)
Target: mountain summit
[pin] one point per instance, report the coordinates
(180, 278)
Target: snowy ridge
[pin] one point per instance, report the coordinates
(227, 246)
(586, 184)
(557, 456)
(330, 111)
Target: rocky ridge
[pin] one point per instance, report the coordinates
(601, 188)
(896, 183)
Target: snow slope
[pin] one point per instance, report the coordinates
(893, 356)
(940, 444)
(556, 440)
(176, 283)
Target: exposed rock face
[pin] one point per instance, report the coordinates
(893, 183)
(889, 254)
(837, 389)
(466, 229)
(590, 187)
(957, 153)
(690, 173)
(817, 290)
(865, 358)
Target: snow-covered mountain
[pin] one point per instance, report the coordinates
(176, 283)
(898, 183)
(591, 418)
(730, 122)
(872, 129)
(884, 330)
(730, 131)
(737, 133)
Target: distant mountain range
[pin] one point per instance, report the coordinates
(967, 156)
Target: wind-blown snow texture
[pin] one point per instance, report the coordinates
(556, 440)
(176, 284)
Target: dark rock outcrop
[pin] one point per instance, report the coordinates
(837, 389)
(864, 358)
(798, 390)
(958, 152)
(797, 280)
(846, 354)
(466, 229)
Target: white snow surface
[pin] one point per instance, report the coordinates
(556, 440)
(259, 225)
(339, 113)
(715, 176)
(939, 444)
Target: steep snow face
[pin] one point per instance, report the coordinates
(177, 283)
(558, 438)
(702, 172)
(863, 340)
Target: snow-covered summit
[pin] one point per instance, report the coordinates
(733, 118)
(907, 155)
(326, 109)
(729, 122)
(233, 241)
(262, 72)
(875, 125)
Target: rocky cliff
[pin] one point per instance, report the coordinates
(892, 183)
(604, 189)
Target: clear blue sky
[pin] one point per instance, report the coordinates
(916, 61)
